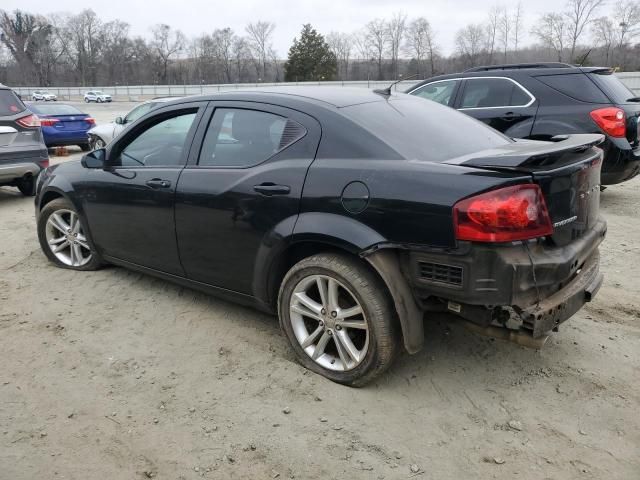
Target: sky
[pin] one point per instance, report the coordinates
(197, 16)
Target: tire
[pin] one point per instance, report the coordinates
(99, 100)
(88, 258)
(27, 186)
(85, 147)
(98, 143)
(360, 285)
(86, 100)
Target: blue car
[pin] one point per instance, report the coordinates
(64, 125)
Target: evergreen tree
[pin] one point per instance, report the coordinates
(310, 58)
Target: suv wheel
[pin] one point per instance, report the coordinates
(63, 237)
(338, 318)
(86, 100)
(27, 186)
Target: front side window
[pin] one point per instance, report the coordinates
(137, 112)
(440, 92)
(242, 138)
(493, 92)
(161, 145)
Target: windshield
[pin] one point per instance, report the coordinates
(611, 85)
(424, 130)
(98, 92)
(55, 110)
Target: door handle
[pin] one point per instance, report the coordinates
(270, 189)
(511, 116)
(158, 183)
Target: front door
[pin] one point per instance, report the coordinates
(130, 204)
(241, 192)
(501, 103)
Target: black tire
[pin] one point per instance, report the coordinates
(374, 299)
(86, 100)
(49, 209)
(27, 186)
(85, 147)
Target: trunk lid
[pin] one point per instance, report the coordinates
(567, 172)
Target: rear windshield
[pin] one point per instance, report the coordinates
(55, 110)
(575, 85)
(10, 104)
(424, 130)
(617, 91)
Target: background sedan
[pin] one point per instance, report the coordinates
(63, 125)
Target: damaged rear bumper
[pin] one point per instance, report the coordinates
(531, 288)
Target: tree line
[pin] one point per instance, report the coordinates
(82, 49)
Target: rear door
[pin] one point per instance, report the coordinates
(500, 102)
(241, 191)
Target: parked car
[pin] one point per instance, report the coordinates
(97, 96)
(64, 125)
(43, 95)
(23, 153)
(101, 135)
(540, 101)
(347, 212)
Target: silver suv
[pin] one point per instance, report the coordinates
(23, 154)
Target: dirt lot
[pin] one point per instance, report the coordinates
(115, 375)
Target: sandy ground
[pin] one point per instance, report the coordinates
(115, 375)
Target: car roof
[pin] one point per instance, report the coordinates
(513, 70)
(338, 97)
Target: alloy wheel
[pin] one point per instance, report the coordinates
(66, 238)
(329, 323)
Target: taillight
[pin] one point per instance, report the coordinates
(90, 120)
(504, 215)
(611, 120)
(48, 122)
(30, 121)
(44, 163)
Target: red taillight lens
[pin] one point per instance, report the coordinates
(44, 163)
(503, 215)
(48, 122)
(30, 121)
(90, 120)
(611, 120)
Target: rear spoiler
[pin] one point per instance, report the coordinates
(530, 153)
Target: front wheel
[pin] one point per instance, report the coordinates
(338, 318)
(63, 237)
(85, 147)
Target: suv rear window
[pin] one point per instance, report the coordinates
(617, 91)
(10, 104)
(420, 130)
(575, 85)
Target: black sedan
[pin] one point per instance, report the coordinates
(347, 212)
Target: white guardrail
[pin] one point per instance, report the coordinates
(144, 92)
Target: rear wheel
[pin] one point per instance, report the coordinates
(63, 237)
(338, 318)
(27, 186)
(85, 147)
(86, 100)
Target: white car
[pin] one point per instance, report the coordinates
(97, 96)
(100, 135)
(43, 95)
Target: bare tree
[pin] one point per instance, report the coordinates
(166, 43)
(579, 16)
(376, 40)
(626, 14)
(341, 44)
(504, 29)
(395, 34)
(493, 25)
(260, 39)
(518, 21)
(604, 33)
(421, 43)
(551, 30)
(470, 43)
(223, 43)
(24, 34)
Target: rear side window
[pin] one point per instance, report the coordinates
(575, 85)
(240, 138)
(493, 92)
(441, 92)
(10, 104)
(617, 91)
(420, 130)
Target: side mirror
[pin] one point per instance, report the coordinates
(119, 121)
(95, 159)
